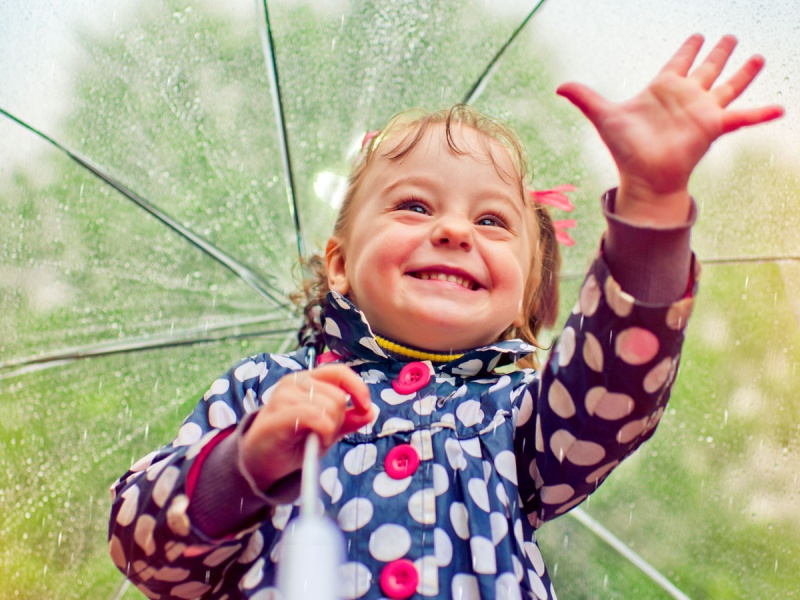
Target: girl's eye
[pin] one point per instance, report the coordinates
(492, 221)
(413, 205)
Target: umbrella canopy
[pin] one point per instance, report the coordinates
(123, 296)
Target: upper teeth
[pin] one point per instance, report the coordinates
(462, 281)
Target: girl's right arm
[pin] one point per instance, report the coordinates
(191, 516)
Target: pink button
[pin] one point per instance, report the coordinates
(399, 579)
(401, 462)
(327, 357)
(412, 377)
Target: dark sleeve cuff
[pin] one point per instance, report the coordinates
(653, 265)
(226, 499)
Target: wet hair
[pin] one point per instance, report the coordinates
(396, 140)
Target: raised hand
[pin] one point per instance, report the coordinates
(304, 402)
(658, 137)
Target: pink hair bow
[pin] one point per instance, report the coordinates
(556, 198)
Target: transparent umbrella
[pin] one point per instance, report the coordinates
(123, 297)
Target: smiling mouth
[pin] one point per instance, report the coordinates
(461, 280)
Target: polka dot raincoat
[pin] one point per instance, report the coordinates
(441, 495)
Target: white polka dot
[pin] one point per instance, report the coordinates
(117, 553)
(487, 471)
(569, 505)
(679, 313)
(566, 346)
(424, 406)
(657, 376)
(465, 587)
(249, 403)
(503, 382)
(560, 400)
(177, 519)
(525, 409)
(355, 514)
(253, 550)
(389, 542)
(539, 444)
(441, 479)
(360, 459)
(620, 302)
(499, 525)
(479, 493)
(593, 353)
(144, 462)
(174, 550)
(533, 471)
(469, 413)
(469, 368)
(329, 481)
(595, 475)
(164, 486)
(422, 442)
(250, 370)
(395, 425)
(483, 556)
(422, 506)
(220, 555)
(631, 431)
(652, 422)
(267, 594)
(281, 515)
(187, 591)
(253, 576)
(608, 405)
(188, 434)
(556, 494)
(472, 447)
(386, 486)
(392, 398)
(143, 534)
(507, 588)
(332, 329)
(356, 579)
(198, 446)
(518, 533)
(502, 496)
(428, 576)
(590, 296)
(459, 518)
(506, 464)
(130, 505)
(637, 346)
(442, 547)
(564, 445)
(537, 585)
(287, 363)
(219, 387)
(455, 455)
(519, 571)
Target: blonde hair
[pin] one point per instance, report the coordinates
(540, 298)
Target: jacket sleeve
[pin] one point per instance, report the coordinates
(153, 538)
(606, 383)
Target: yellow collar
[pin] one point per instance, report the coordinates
(396, 348)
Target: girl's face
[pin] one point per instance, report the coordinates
(438, 249)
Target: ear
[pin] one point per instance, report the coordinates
(335, 267)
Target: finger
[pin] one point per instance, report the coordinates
(684, 58)
(355, 420)
(739, 82)
(348, 381)
(708, 71)
(736, 119)
(589, 102)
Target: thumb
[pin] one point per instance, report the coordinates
(589, 102)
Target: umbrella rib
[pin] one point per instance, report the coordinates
(226, 332)
(247, 275)
(480, 84)
(268, 46)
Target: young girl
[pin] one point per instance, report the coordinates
(442, 269)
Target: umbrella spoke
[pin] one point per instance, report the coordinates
(250, 277)
(483, 79)
(271, 61)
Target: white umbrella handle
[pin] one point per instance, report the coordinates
(312, 547)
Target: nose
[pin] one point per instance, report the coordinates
(452, 232)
